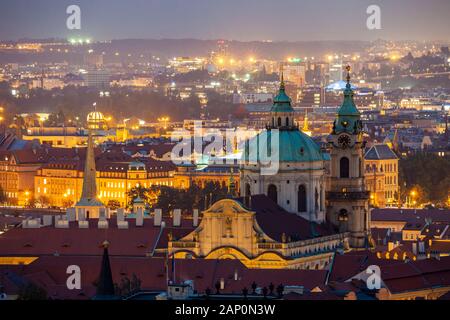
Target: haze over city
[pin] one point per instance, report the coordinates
(285, 20)
(246, 151)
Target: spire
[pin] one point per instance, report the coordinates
(105, 287)
(348, 114)
(89, 183)
(305, 122)
(89, 191)
(348, 68)
(282, 102)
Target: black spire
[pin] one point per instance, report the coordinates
(105, 287)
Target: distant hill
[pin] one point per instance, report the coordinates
(167, 48)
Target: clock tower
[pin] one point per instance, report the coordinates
(347, 198)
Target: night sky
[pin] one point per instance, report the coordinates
(292, 20)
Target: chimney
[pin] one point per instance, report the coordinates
(47, 220)
(83, 224)
(81, 214)
(71, 214)
(120, 214)
(60, 222)
(195, 218)
(157, 218)
(102, 214)
(140, 217)
(102, 224)
(176, 217)
(32, 223)
(122, 224)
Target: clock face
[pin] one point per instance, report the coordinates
(344, 140)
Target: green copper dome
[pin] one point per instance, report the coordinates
(293, 146)
(348, 117)
(282, 102)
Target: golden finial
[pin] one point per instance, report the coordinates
(348, 68)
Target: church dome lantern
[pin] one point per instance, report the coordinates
(95, 120)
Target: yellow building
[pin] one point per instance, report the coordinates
(187, 175)
(381, 174)
(61, 183)
(17, 170)
(228, 230)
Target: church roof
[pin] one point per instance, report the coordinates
(282, 102)
(348, 114)
(294, 227)
(293, 146)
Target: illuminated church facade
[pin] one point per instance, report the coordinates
(299, 216)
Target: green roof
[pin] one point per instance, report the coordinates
(348, 117)
(293, 146)
(282, 102)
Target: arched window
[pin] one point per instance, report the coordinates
(344, 168)
(316, 200)
(287, 121)
(272, 193)
(301, 201)
(248, 191)
(279, 121)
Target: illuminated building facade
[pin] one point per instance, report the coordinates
(381, 174)
(117, 173)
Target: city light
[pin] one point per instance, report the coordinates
(245, 169)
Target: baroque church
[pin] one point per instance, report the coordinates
(299, 215)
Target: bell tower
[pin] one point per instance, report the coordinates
(348, 200)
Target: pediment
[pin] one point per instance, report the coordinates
(227, 206)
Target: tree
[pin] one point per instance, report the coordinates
(137, 192)
(113, 204)
(67, 203)
(42, 201)
(427, 172)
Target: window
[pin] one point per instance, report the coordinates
(316, 200)
(247, 190)
(302, 207)
(344, 168)
(287, 121)
(272, 193)
(279, 122)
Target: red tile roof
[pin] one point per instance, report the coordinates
(50, 273)
(275, 221)
(135, 241)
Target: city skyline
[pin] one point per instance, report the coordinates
(287, 20)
